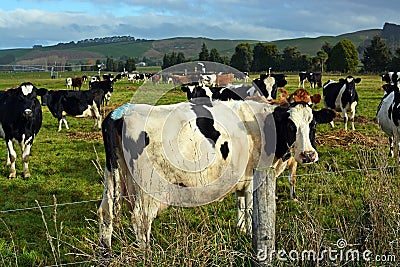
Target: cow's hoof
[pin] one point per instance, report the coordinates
(27, 174)
(105, 257)
(13, 174)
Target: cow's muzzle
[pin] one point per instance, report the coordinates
(308, 156)
(28, 113)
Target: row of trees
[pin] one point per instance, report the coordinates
(378, 57)
(129, 64)
(342, 57)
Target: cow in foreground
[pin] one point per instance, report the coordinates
(342, 96)
(74, 103)
(228, 134)
(388, 112)
(20, 121)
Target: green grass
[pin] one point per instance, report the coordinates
(361, 206)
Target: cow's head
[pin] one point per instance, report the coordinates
(108, 90)
(25, 99)
(296, 125)
(267, 85)
(350, 83)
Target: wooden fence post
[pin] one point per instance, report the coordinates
(264, 213)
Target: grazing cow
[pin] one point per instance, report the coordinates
(388, 112)
(107, 86)
(230, 92)
(233, 147)
(75, 103)
(342, 96)
(208, 79)
(136, 77)
(20, 120)
(77, 83)
(268, 84)
(314, 78)
(68, 82)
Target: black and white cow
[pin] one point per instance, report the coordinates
(107, 86)
(268, 84)
(20, 120)
(203, 141)
(68, 82)
(230, 92)
(314, 78)
(388, 112)
(342, 96)
(74, 103)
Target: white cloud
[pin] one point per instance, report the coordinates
(32, 23)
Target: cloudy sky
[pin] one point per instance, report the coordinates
(24, 23)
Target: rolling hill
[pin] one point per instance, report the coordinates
(154, 50)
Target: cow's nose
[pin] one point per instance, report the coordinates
(308, 156)
(28, 113)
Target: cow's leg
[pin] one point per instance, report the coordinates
(96, 115)
(106, 214)
(248, 195)
(353, 114)
(241, 207)
(8, 161)
(26, 151)
(396, 139)
(292, 164)
(59, 124)
(391, 146)
(345, 118)
(12, 157)
(65, 122)
(145, 210)
(61, 121)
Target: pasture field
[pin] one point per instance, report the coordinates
(351, 195)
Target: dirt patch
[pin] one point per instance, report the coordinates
(357, 119)
(88, 136)
(342, 138)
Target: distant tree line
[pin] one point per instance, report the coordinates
(129, 64)
(341, 57)
(97, 41)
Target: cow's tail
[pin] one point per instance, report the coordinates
(109, 207)
(112, 130)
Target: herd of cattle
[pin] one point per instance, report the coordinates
(203, 116)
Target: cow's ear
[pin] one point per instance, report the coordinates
(324, 115)
(41, 91)
(315, 99)
(185, 89)
(357, 80)
(341, 80)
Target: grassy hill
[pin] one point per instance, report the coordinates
(155, 49)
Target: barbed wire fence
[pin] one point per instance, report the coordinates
(40, 207)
